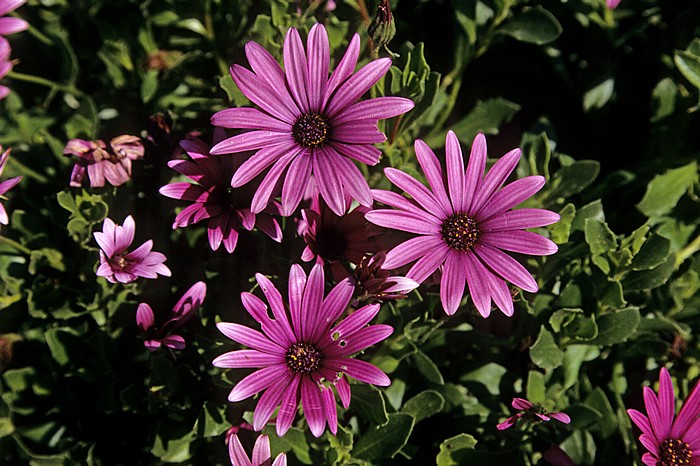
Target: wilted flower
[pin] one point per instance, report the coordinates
(8, 24)
(307, 122)
(466, 230)
(531, 412)
(302, 358)
(101, 162)
(261, 453)
(670, 441)
(213, 198)
(332, 239)
(117, 264)
(184, 310)
(372, 283)
(6, 185)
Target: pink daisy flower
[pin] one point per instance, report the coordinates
(307, 122)
(5, 65)
(302, 353)
(6, 185)
(261, 453)
(213, 198)
(117, 264)
(671, 442)
(531, 412)
(332, 239)
(612, 4)
(8, 24)
(101, 162)
(463, 225)
(184, 310)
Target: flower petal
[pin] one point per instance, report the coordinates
(344, 69)
(241, 359)
(318, 61)
(454, 278)
(418, 192)
(494, 179)
(505, 266)
(524, 242)
(270, 400)
(249, 118)
(357, 85)
(236, 452)
(412, 222)
(433, 173)
(251, 140)
(359, 370)
(312, 403)
(256, 382)
(519, 219)
(375, 109)
(249, 337)
(295, 69)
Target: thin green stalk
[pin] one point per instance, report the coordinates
(687, 251)
(44, 82)
(15, 245)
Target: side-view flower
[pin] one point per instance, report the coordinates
(531, 412)
(183, 311)
(213, 198)
(6, 185)
(261, 453)
(465, 225)
(102, 162)
(8, 24)
(669, 441)
(302, 353)
(307, 123)
(117, 263)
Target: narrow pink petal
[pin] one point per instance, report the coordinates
(359, 370)
(513, 194)
(357, 132)
(105, 243)
(311, 304)
(230, 240)
(269, 226)
(274, 100)
(344, 69)
(312, 403)
(363, 153)
(328, 182)
(267, 187)
(318, 61)
(357, 85)
(649, 442)
(96, 175)
(265, 67)
(247, 218)
(288, 406)
(400, 285)
(297, 176)
(174, 342)
(475, 171)
(508, 423)
(561, 417)
(330, 408)
(256, 382)
(494, 179)
(274, 297)
(144, 316)
(295, 69)
(478, 286)
(355, 321)
(689, 415)
(505, 266)
(524, 242)
(247, 358)
(426, 265)
(418, 192)
(666, 399)
(280, 460)
(6, 185)
(151, 345)
(419, 222)
(7, 6)
(658, 425)
(249, 118)
(296, 286)
(393, 199)
(361, 340)
(184, 191)
(236, 452)
(519, 219)
(455, 172)
(353, 181)
(500, 293)
(375, 109)
(11, 25)
(521, 404)
(249, 337)
(270, 400)
(124, 236)
(252, 140)
(433, 172)
(641, 420)
(343, 388)
(647, 458)
(215, 232)
(333, 306)
(453, 281)
(259, 161)
(261, 451)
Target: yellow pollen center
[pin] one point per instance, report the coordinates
(303, 358)
(310, 130)
(460, 232)
(674, 452)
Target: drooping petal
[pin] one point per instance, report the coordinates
(454, 278)
(144, 316)
(312, 403)
(330, 408)
(259, 161)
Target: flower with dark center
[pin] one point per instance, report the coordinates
(464, 226)
(117, 263)
(212, 198)
(305, 350)
(669, 441)
(307, 122)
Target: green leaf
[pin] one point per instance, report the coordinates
(688, 62)
(583, 417)
(561, 230)
(599, 237)
(650, 279)
(212, 421)
(535, 26)
(62, 342)
(45, 257)
(489, 375)
(452, 448)
(294, 441)
(574, 357)
(536, 391)
(580, 447)
(616, 327)
(545, 352)
(369, 403)
(608, 424)
(149, 86)
(653, 253)
(424, 405)
(598, 96)
(486, 117)
(594, 211)
(385, 441)
(664, 191)
(427, 368)
(664, 97)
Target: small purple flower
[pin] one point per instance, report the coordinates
(308, 123)
(184, 310)
(669, 441)
(532, 413)
(8, 24)
(302, 353)
(101, 162)
(261, 453)
(5, 65)
(6, 185)
(117, 264)
(213, 198)
(612, 4)
(464, 225)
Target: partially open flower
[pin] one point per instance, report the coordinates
(101, 161)
(372, 283)
(531, 412)
(261, 453)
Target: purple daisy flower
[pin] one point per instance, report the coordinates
(5, 65)
(301, 354)
(307, 122)
(531, 412)
(117, 264)
(184, 310)
(6, 185)
(612, 4)
(10, 25)
(261, 453)
(466, 230)
(101, 162)
(213, 198)
(669, 441)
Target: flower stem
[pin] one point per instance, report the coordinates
(15, 245)
(686, 252)
(44, 82)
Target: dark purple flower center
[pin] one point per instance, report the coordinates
(331, 243)
(674, 452)
(303, 358)
(310, 130)
(460, 232)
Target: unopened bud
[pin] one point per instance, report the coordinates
(382, 28)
